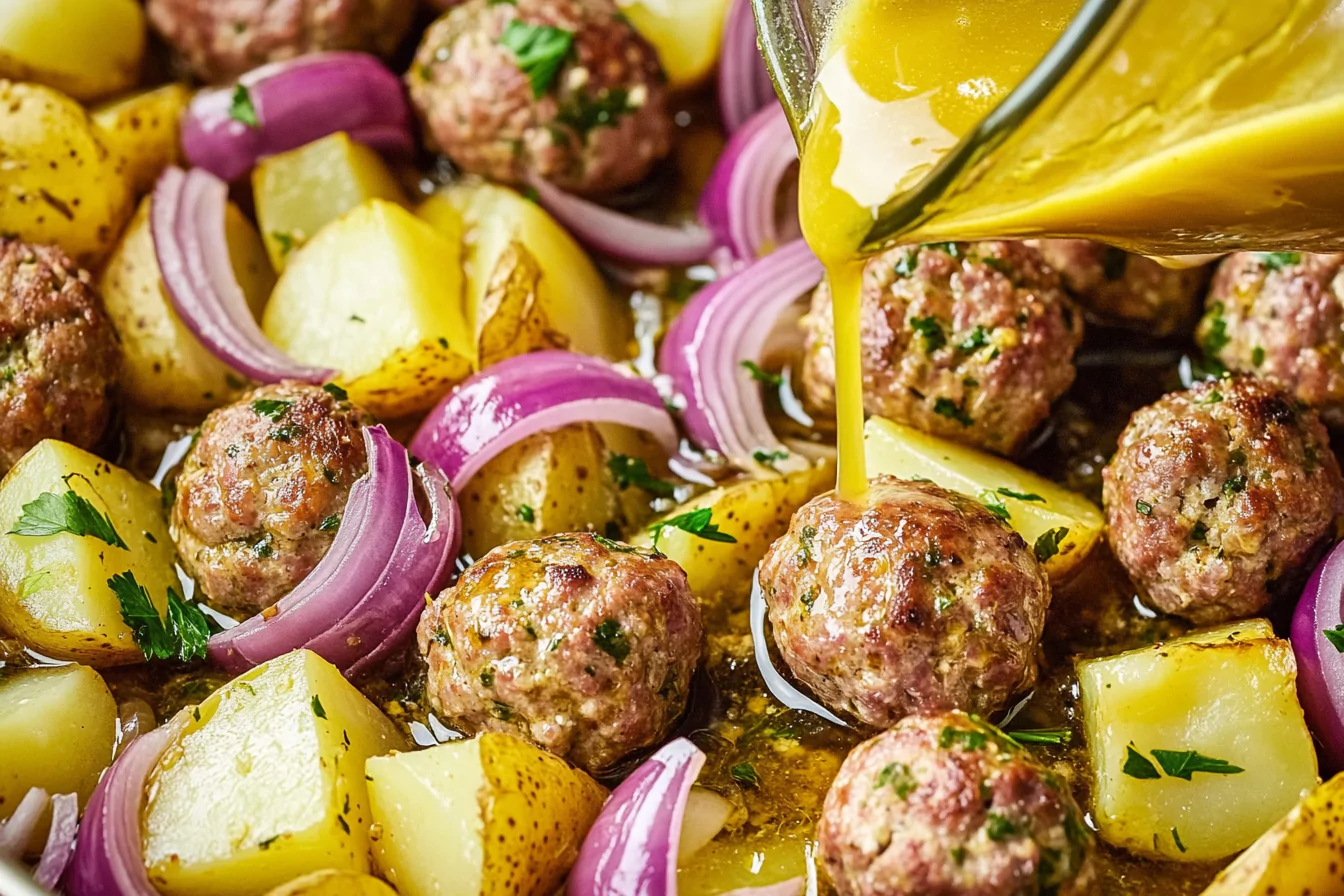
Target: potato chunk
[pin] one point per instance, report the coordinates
(143, 132)
(686, 34)
(301, 191)
(165, 366)
(377, 294)
(1228, 694)
(493, 816)
(1035, 506)
(54, 594)
(334, 883)
(266, 783)
(86, 48)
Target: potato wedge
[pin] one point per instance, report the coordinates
(377, 294)
(85, 48)
(910, 453)
(1228, 694)
(301, 191)
(491, 816)
(266, 783)
(686, 33)
(54, 594)
(1299, 856)
(334, 883)
(165, 367)
(141, 132)
(58, 184)
(573, 297)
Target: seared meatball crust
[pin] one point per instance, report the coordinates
(1220, 498)
(1280, 315)
(222, 39)
(599, 124)
(60, 356)
(1117, 287)
(582, 645)
(945, 805)
(914, 599)
(969, 341)
(261, 493)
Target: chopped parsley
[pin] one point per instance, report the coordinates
(331, 523)
(1184, 763)
(336, 392)
(950, 248)
(1234, 486)
(181, 636)
(769, 458)
(745, 774)
(264, 547)
(1257, 358)
(241, 108)
(762, 376)
(540, 51)
(287, 433)
(1335, 636)
(441, 636)
(629, 471)
(999, 827)
(612, 544)
(488, 677)
(967, 739)
(526, 514)
(1277, 261)
(1216, 339)
(1199, 532)
(1041, 735)
(994, 504)
(905, 265)
(611, 640)
(317, 707)
(1213, 396)
(585, 113)
(946, 407)
(805, 537)
(1144, 508)
(286, 241)
(977, 338)
(271, 408)
(1139, 766)
(1047, 545)
(897, 776)
(1021, 496)
(694, 522)
(51, 513)
(930, 331)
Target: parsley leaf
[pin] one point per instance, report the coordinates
(930, 331)
(331, 523)
(540, 51)
(695, 522)
(611, 640)
(762, 376)
(317, 707)
(946, 407)
(184, 634)
(769, 458)
(50, 513)
(271, 408)
(999, 827)
(1184, 763)
(1041, 735)
(1047, 545)
(584, 113)
(629, 471)
(745, 773)
(977, 338)
(1021, 496)
(1138, 766)
(907, 263)
(1144, 508)
(286, 241)
(1335, 636)
(336, 392)
(969, 740)
(1277, 261)
(241, 108)
(526, 513)
(1216, 339)
(897, 776)
(994, 504)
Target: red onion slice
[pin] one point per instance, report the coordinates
(296, 102)
(744, 81)
(725, 324)
(631, 850)
(622, 236)
(533, 393)
(1320, 665)
(738, 204)
(383, 561)
(109, 852)
(60, 848)
(187, 224)
(780, 687)
(20, 827)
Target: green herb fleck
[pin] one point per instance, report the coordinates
(266, 844)
(1257, 358)
(1144, 508)
(540, 51)
(1022, 496)
(336, 392)
(946, 407)
(1234, 486)
(1335, 636)
(50, 514)
(930, 331)
(317, 707)
(441, 637)
(182, 635)
(287, 433)
(612, 640)
(1277, 261)
(762, 376)
(272, 408)
(994, 504)
(331, 523)
(1184, 763)
(628, 471)
(999, 827)
(695, 522)
(1213, 396)
(1216, 339)
(612, 544)
(264, 547)
(897, 776)
(950, 248)
(744, 773)
(977, 338)
(1047, 545)
(769, 458)
(905, 265)
(1138, 766)
(526, 513)
(1199, 532)
(1041, 735)
(967, 739)
(488, 677)
(286, 241)
(241, 108)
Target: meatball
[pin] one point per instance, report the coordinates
(1116, 287)
(1280, 315)
(61, 356)
(582, 645)
(946, 805)
(1220, 498)
(562, 89)
(261, 493)
(222, 39)
(916, 599)
(970, 341)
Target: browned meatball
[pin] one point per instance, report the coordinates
(946, 805)
(261, 493)
(564, 89)
(61, 357)
(1221, 497)
(583, 645)
(221, 39)
(915, 599)
(970, 341)
(1280, 315)
(1117, 287)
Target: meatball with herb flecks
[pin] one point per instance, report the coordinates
(260, 494)
(911, 599)
(562, 89)
(947, 805)
(969, 341)
(222, 39)
(1221, 497)
(582, 645)
(59, 354)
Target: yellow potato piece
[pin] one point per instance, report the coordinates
(910, 453)
(142, 132)
(86, 48)
(1299, 856)
(334, 883)
(377, 295)
(491, 816)
(266, 784)
(164, 366)
(1227, 693)
(686, 33)
(301, 191)
(54, 595)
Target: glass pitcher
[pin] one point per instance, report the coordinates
(1163, 126)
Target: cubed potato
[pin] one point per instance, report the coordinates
(510, 319)
(85, 48)
(573, 297)
(142, 131)
(755, 512)
(299, 192)
(334, 883)
(377, 294)
(491, 816)
(1299, 856)
(1228, 694)
(164, 366)
(686, 34)
(57, 728)
(54, 594)
(266, 783)
(910, 453)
